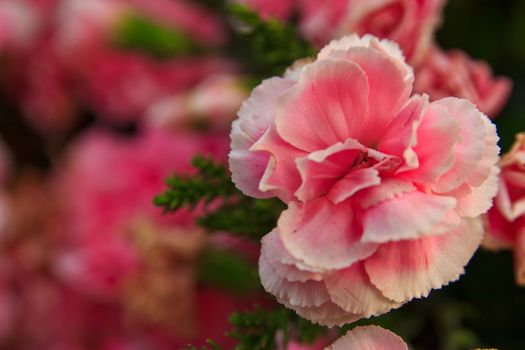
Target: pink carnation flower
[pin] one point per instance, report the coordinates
(410, 23)
(212, 104)
(381, 187)
(369, 338)
(506, 219)
(454, 73)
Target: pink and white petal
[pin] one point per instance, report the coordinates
(247, 169)
(257, 112)
(323, 234)
(280, 260)
(480, 199)
(352, 183)
(369, 338)
(437, 136)
(389, 89)
(411, 269)
(281, 176)
(389, 188)
(400, 137)
(321, 170)
(387, 47)
(326, 106)
(352, 291)
(490, 155)
(328, 314)
(255, 117)
(470, 149)
(303, 294)
(411, 216)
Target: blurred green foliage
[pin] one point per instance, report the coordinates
(140, 33)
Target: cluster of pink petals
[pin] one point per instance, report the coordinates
(212, 104)
(383, 188)
(369, 338)
(109, 183)
(409, 23)
(454, 73)
(506, 219)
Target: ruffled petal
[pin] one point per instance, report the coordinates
(281, 176)
(325, 107)
(389, 89)
(470, 149)
(410, 216)
(303, 294)
(388, 47)
(389, 188)
(400, 137)
(479, 199)
(255, 117)
(411, 269)
(273, 250)
(321, 170)
(437, 135)
(369, 338)
(323, 234)
(352, 290)
(328, 314)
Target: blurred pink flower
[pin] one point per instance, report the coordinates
(369, 338)
(43, 87)
(123, 86)
(211, 104)
(87, 25)
(109, 184)
(408, 22)
(19, 24)
(382, 188)
(506, 219)
(454, 73)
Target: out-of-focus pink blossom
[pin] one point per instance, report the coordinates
(383, 189)
(109, 184)
(506, 219)
(408, 22)
(211, 104)
(279, 9)
(124, 86)
(454, 73)
(43, 86)
(369, 338)
(18, 24)
(87, 25)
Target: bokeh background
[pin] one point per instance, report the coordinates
(91, 130)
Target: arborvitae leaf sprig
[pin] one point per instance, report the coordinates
(267, 46)
(258, 330)
(234, 212)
